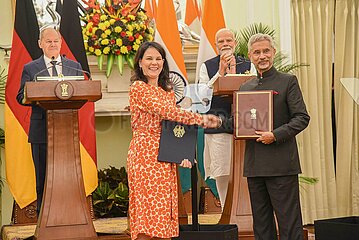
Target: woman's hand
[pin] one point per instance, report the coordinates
(186, 163)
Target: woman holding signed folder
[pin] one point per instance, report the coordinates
(153, 198)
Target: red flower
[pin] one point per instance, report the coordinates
(96, 18)
(117, 52)
(137, 35)
(131, 38)
(129, 48)
(123, 34)
(113, 41)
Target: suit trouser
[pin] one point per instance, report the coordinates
(39, 152)
(281, 195)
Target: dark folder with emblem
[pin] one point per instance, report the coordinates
(253, 111)
(178, 141)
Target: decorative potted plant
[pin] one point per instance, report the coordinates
(110, 199)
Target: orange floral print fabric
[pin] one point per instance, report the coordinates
(153, 197)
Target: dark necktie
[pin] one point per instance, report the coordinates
(54, 71)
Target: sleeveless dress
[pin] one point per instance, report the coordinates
(153, 200)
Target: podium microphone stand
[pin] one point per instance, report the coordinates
(205, 231)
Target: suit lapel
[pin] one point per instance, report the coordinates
(65, 70)
(40, 64)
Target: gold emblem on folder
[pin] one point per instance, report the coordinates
(179, 131)
(64, 90)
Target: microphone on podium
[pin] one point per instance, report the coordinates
(76, 69)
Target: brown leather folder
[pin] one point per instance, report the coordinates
(253, 111)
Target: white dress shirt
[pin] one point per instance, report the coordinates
(57, 66)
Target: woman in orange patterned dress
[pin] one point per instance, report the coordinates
(153, 199)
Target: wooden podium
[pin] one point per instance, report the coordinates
(237, 208)
(228, 84)
(64, 213)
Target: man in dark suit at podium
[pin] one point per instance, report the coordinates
(218, 142)
(51, 63)
(271, 162)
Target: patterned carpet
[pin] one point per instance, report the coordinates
(102, 226)
(105, 227)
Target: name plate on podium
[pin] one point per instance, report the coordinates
(253, 111)
(228, 84)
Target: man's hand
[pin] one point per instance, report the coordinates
(265, 137)
(227, 63)
(211, 121)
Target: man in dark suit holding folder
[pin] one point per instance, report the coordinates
(49, 64)
(271, 162)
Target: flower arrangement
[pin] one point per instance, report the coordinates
(116, 29)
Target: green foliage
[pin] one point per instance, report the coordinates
(110, 199)
(242, 38)
(281, 61)
(303, 180)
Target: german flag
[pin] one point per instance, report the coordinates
(73, 48)
(20, 171)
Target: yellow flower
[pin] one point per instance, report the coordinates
(119, 42)
(86, 45)
(124, 21)
(105, 41)
(106, 50)
(130, 16)
(135, 46)
(85, 37)
(123, 50)
(112, 21)
(150, 38)
(138, 41)
(151, 30)
(103, 17)
(91, 49)
(103, 35)
(128, 33)
(107, 23)
(98, 52)
(102, 26)
(108, 31)
(140, 37)
(118, 29)
(129, 27)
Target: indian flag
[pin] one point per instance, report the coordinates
(212, 9)
(168, 36)
(192, 17)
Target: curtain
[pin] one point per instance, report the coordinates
(312, 41)
(347, 111)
